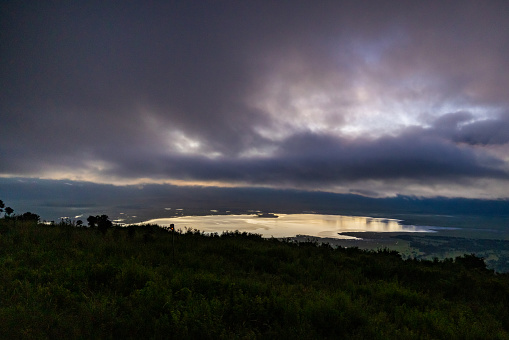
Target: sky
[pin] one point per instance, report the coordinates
(377, 98)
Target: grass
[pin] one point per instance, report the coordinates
(61, 281)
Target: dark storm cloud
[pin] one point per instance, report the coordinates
(254, 92)
(461, 127)
(311, 159)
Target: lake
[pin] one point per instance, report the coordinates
(290, 225)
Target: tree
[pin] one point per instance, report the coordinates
(471, 261)
(102, 223)
(28, 216)
(8, 211)
(92, 221)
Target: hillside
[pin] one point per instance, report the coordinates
(63, 281)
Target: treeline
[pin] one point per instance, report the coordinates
(64, 281)
(9, 214)
(494, 251)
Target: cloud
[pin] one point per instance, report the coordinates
(485, 132)
(305, 95)
(313, 161)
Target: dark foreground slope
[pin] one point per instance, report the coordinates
(68, 282)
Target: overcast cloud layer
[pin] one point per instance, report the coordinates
(377, 98)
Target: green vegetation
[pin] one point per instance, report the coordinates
(69, 281)
(494, 251)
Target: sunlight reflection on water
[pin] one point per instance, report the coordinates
(290, 225)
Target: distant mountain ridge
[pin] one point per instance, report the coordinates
(52, 198)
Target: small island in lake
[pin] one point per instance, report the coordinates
(268, 215)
